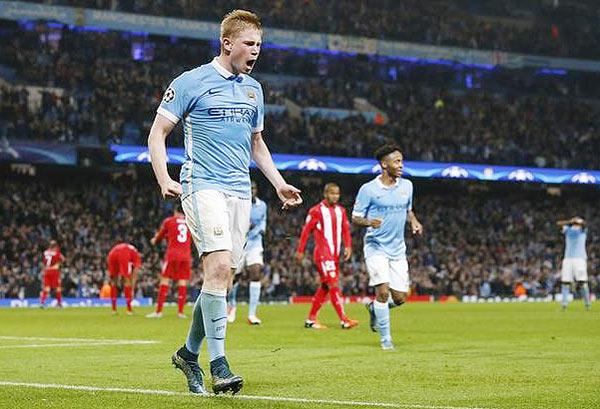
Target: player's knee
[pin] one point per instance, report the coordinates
(383, 295)
(399, 299)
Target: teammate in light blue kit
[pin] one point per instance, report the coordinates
(574, 266)
(383, 205)
(222, 110)
(252, 260)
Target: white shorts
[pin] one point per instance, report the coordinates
(383, 270)
(574, 268)
(218, 221)
(252, 256)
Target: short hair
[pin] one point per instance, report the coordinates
(330, 185)
(238, 20)
(385, 150)
(177, 207)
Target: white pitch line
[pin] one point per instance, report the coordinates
(243, 397)
(17, 338)
(72, 342)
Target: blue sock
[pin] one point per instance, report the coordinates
(565, 290)
(382, 312)
(196, 333)
(232, 296)
(214, 308)
(585, 294)
(254, 298)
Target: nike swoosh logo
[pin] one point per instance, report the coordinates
(213, 91)
(217, 319)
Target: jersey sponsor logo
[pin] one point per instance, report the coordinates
(226, 114)
(169, 95)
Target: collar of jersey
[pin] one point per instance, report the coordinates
(380, 183)
(224, 73)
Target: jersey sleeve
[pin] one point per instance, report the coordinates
(309, 225)
(176, 102)
(258, 124)
(362, 202)
(161, 233)
(137, 260)
(346, 235)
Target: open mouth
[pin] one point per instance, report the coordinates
(250, 64)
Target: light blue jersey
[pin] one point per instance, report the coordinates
(220, 111)
(258, 223)
(391, 204)
(575, 237)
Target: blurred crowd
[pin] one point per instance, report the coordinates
(102, 94)
(553, 27)
(477, 241)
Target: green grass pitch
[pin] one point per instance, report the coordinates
(528, 355)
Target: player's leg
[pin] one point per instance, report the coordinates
(182, 286)
(163, 290)
(58, 294)
(186, 357)
(128, 292)
(399, 283)
(318, 299)
(581, 277)
(44, 293)
(232, 298)
(335, 295)
(113, 293)
(255, 275)
(378, 268)
(566, 278)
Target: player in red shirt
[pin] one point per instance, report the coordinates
(329, 224)
(51, 275)
(178, 260)
(123, 262)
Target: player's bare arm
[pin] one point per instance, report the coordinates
(415, 226)
(364, 222)
(288, 194)
(161, 128)
(347, 253)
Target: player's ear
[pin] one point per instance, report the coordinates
(226, 44)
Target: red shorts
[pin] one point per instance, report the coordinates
(328, 271)
(52, 278)
(177, 269)
(118, 267)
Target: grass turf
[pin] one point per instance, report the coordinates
(528, 355)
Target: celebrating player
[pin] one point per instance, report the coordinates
(252, 260)
(574, 264)
(383, 206)
(178, 260)
(222, 109)
(329, 224)
(51, 274)
(123, 263)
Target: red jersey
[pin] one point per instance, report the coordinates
(330, 226)
(52, 258)
(125, 253)
(179, 238)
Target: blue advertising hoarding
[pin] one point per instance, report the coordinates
(435, 170)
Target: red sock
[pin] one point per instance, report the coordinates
(113, 297)
(43, 296)
(336, 300)
(127, 291)
(181, 298)
(162, 296)
(317, 302)
(59, 297)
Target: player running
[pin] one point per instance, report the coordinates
(51, 274)
(328, 223)
(177, 264)
(574, 264)
(222, 109)
(252, 260)
(382, 206)
(123, 263)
